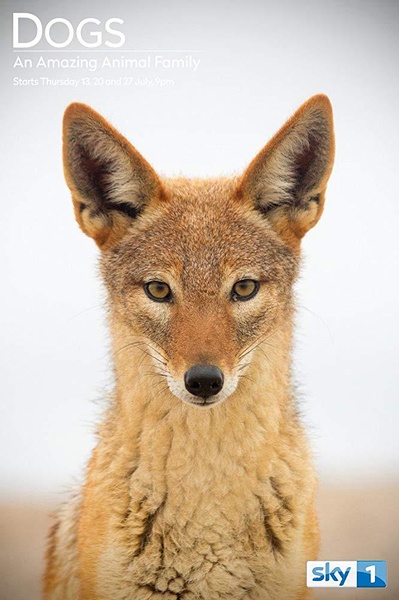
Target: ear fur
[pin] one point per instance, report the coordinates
(111, 183)
(287, 180)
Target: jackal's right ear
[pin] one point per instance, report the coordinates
(111, 183)
(287, 180)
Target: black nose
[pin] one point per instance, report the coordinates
(204, 380)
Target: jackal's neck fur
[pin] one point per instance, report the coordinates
(201, 486)
(182, 448)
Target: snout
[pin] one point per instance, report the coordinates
(203, 385)
(204, 380)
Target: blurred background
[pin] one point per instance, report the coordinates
(258, 62)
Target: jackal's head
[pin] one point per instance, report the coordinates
(199, 272)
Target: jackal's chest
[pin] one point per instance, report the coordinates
(210, 553)
(222, 546)
(202, 524)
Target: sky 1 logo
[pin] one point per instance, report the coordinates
(88, 32)
(346, 573)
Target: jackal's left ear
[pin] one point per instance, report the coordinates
(287, 180)
(111, 183)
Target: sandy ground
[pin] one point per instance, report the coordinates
(356, 524)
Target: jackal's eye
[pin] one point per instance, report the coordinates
(244, 289)
(158, 291)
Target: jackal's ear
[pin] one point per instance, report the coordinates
(111, 183)
(287, 180)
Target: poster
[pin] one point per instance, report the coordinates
(199, 89)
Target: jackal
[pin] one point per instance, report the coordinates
(202, 484)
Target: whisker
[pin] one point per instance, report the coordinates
(243, 366)
(162, 354)
(138, 345)
(85, 310)
(247, 349)
(245, 377)
(163, 388)
(254, 345)
(301, 306)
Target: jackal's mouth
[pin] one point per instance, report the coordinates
(205, 401)
(201, 402)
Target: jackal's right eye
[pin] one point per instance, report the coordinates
(158, 291)
(245, 289)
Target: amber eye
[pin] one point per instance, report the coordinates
(158, 291)
(244, 289)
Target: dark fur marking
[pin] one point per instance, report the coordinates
(131, 471)
(283, 501)
(162, 551)
(265, 208)
(295, 202)
(126, 516)
(90, 175)
(128, 511)
(302, 204)
(82, 206)
(303, 170)
(148, 527)
(124, 207)
(150, 587)
(275, 542)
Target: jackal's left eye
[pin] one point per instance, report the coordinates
(158, 291)
(245, 289)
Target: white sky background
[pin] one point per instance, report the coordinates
(259, 62)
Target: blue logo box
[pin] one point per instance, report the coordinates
(371, 573)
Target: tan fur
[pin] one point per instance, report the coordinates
(185, 502)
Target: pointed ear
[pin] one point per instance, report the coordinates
(287, 180)
(111, 183)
